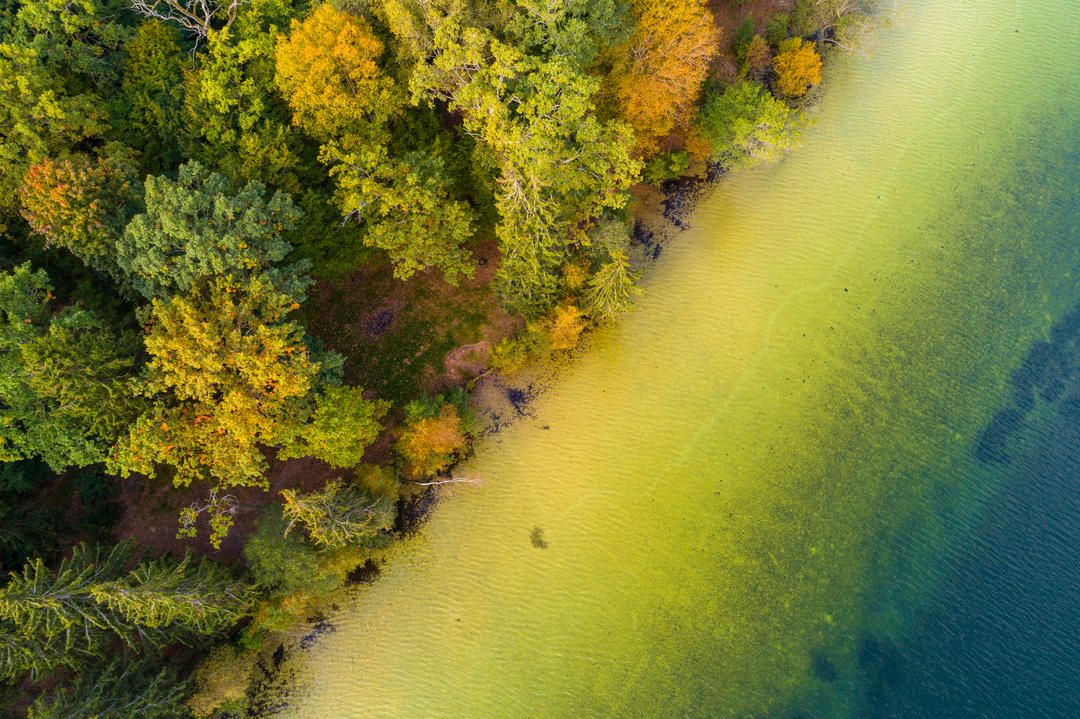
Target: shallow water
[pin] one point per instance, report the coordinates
(778, 487)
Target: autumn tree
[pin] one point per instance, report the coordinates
(195, 228)
(658, 74)
(339, 514)
(430, 439)
(225, 365)
(56, 60)
(758, 58)
(39, 116)
(66, 378)
(745, 124)
(564, 325)
(797, 66)
(328, 69)
(82, 205)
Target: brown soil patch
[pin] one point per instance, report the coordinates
(152, 507)
(402, 338)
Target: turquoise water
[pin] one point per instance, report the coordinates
(802, 478)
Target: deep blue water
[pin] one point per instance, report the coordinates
(1001, 638)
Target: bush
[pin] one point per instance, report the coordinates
(221, 683)
(666, 166)
(777, 29)
(743, 35)
(564, 326)
(284, 563)
(430, 442)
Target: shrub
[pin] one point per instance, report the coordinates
(221, 683)
(666, 166)
(429, 442)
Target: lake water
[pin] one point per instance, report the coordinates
(828, 467)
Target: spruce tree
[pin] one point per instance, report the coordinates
(189, 596)
(122, 690)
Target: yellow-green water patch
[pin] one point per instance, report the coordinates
(729, 481)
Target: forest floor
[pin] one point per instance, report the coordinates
(399, 339)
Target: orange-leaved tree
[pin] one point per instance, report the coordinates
(80, 205)
(797, 66)
(658, 74)
(429, 442)
(327, 68)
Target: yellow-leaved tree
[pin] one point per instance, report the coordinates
(797, 66)
(658, 74)
(327, 68)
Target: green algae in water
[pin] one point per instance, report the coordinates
(736, 473)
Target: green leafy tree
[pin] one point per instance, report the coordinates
(234, 119)
(66, 378)
(745, 124)
(148, 110)
(339, 515)
(194, 228)
(559, 164)
(80, 39)
(578, 30)
(338, 429)
(122, 689)
(405, 208)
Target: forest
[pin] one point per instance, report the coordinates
(252, 253)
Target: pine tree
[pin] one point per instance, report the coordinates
(122, 690)
(196, 228)
(200, 597)
(55, 611)
(611, 290)
(31, 656)
(67, 616)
